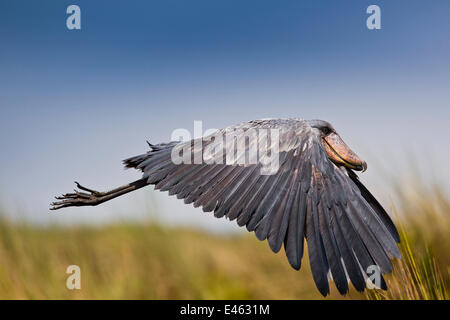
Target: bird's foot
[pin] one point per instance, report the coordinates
(78, 198)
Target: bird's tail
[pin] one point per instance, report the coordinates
(134, 162)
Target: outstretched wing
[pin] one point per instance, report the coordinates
(308, 196)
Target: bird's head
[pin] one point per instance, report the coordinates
(335, 147)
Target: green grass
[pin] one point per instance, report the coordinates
(423, 273)
(143, 262)
(150, 261)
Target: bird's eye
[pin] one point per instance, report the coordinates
(326, 130)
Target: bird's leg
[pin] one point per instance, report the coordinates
(92, 197)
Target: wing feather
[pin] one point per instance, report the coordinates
(317, 260)
(345, 227)
(332, 251)
(351, 263)
(375, 205)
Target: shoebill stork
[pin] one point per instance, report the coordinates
(314, 195)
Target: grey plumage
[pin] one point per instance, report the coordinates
(309, 197)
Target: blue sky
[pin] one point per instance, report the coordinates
(74, 103)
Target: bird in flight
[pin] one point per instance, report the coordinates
(287, 180)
